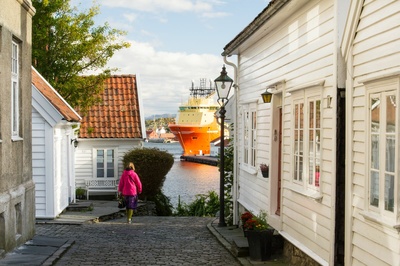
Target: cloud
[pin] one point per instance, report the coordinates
(131, 17)
(159, 6)
(165, 77)
(215, 14)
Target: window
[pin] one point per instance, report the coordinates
(306, 142)
(383, 141)
(15, 90)
(250, 136)
(105, 163)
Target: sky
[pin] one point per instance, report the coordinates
(173, 42)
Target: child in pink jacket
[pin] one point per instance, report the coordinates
(130, 187)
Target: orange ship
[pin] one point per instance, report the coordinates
(196, 124)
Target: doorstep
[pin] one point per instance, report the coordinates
(240, 247)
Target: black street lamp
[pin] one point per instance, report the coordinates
(223, 86)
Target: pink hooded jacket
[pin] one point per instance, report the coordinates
(129, 184)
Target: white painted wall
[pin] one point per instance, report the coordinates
(85, 156)
(300, 47)
(372, 51)
(39, 127)
(52, 158)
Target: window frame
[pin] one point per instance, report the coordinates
(105, 169)
(15, 91)
(300, 179)
(249, 140)
(382, 89)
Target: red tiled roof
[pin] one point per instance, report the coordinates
(54, 98)
(118, 115)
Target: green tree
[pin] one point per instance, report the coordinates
(66, 45)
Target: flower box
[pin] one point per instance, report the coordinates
(264, 170)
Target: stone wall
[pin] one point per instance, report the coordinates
(296, 257)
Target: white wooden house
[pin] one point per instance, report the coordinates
(108, 131)
(371, 47)
(54, 125)
(292, 49)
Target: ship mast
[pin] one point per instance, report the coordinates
(202, 91)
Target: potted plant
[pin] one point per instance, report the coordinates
(80, 193)
(264, 170)
(244, 218)
(259, 237)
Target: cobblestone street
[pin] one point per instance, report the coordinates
(149, 240)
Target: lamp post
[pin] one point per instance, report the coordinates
(223, 86)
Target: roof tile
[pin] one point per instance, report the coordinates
(118, 115)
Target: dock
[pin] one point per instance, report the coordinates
(201, 159)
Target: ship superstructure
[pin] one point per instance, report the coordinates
(196, 123)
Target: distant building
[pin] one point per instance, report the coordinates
(109, 129)
(17, 190)
(152, 135)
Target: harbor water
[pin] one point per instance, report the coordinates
(186, 179)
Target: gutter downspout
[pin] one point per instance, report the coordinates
(72, 176)
(235, 184)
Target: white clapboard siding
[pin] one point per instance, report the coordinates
(48, 167)
(312, 228)
(375, 53)
(39, 162)
(301, 50)
(51, 153)
(274, 54)
(83, 164)
(84, 156)
(49, 163)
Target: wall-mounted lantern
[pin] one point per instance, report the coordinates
(266, 96)
(75, 141)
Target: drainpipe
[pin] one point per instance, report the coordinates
(235, 185)
(72, 181)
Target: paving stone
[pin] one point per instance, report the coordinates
(149, 240)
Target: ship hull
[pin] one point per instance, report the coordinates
(195, 140)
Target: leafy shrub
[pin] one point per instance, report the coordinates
(203, 205)
(163, 204)
(152, 166)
